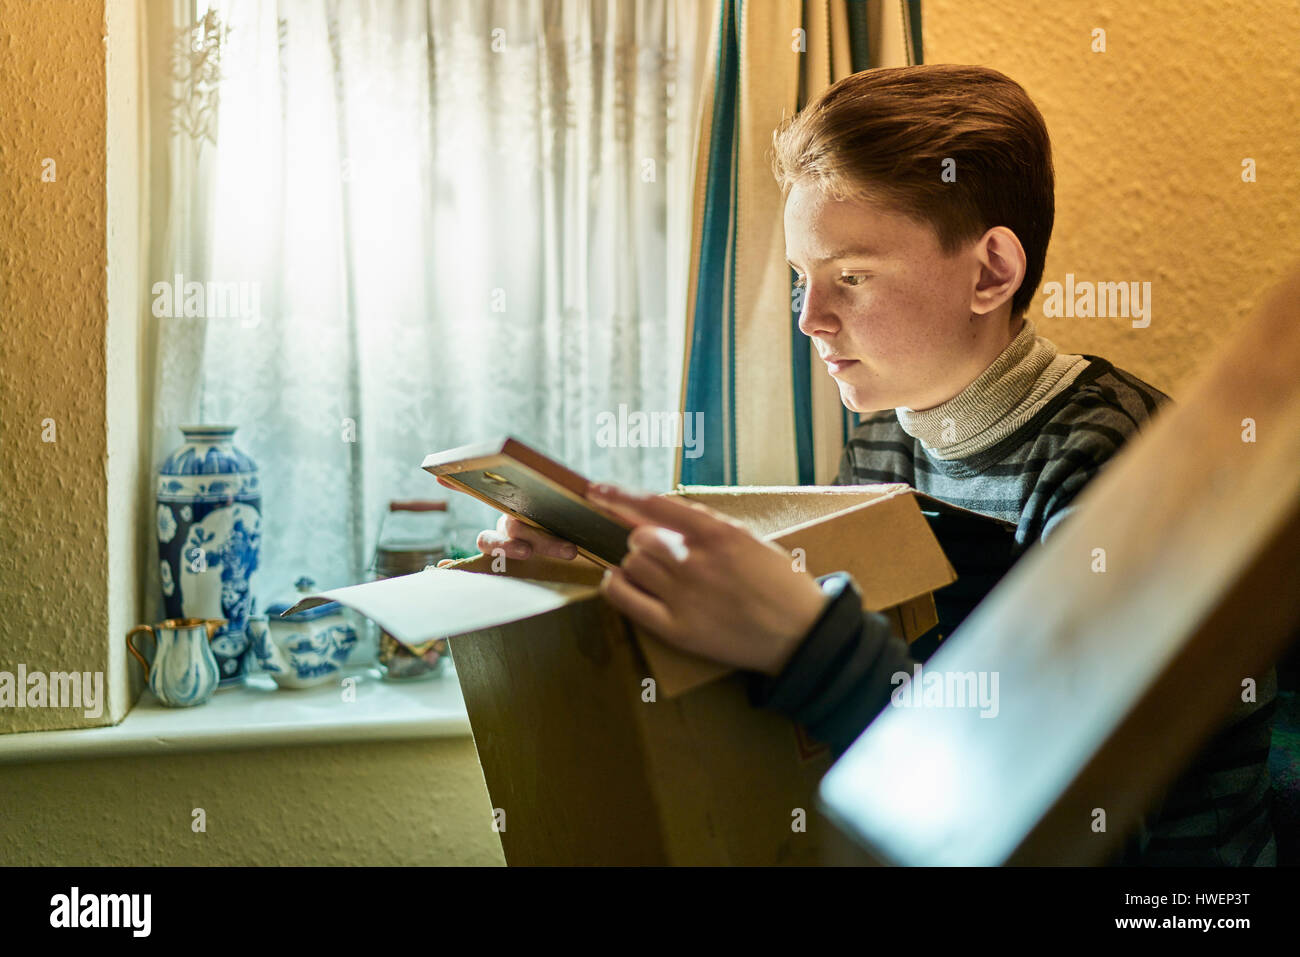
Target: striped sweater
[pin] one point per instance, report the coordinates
(1035, 446)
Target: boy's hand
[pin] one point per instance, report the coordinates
(702, 582)
(516, 539)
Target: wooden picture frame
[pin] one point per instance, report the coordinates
(518, 480)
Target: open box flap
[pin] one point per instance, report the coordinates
(771, 507)
(443, 602)
(675, 671)
(911, 564)
(837, 520)
(766, 509)
(817, 519)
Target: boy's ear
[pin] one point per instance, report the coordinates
(1002, 265)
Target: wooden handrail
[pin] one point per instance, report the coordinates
(1108, 681)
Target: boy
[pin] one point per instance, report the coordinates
(919, 205)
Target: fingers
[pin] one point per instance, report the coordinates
(542, 542)
(521, 540)
(642, 608)
(649, 573)
(663, 544)
(518, 539)
(689, 518)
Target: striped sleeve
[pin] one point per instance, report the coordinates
(1089, 431)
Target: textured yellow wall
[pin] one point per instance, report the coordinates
(53, 308)
(386, 802)
(1148, 141)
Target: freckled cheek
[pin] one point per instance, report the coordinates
(941, 293)
(879, 326)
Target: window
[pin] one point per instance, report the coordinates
(415, 225)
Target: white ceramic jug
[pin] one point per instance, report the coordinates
(184, 670)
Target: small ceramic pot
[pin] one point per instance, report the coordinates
(305, 649)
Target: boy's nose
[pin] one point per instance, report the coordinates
(813, 318)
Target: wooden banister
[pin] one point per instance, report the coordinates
(1108, 681)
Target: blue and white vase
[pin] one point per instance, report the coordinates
(209, 531)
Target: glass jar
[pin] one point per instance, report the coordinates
(412, 536)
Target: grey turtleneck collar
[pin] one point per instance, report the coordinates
(1016, 384)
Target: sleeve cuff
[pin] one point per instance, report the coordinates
(837, 624)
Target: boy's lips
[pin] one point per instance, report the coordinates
(838, 363)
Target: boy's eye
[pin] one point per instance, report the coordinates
(849, 279)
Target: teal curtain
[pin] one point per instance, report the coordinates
(710, 385)
(711, 381)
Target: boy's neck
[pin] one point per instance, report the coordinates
(991, 347)
(1019, 379)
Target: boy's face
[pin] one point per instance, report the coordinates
(881, 293)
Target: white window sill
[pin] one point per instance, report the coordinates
(258, 715)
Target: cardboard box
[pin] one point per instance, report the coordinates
(600, 744)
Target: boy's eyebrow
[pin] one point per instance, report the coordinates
(856, 252)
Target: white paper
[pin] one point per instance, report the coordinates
(443, 602)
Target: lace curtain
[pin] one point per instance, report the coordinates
(446, 220)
